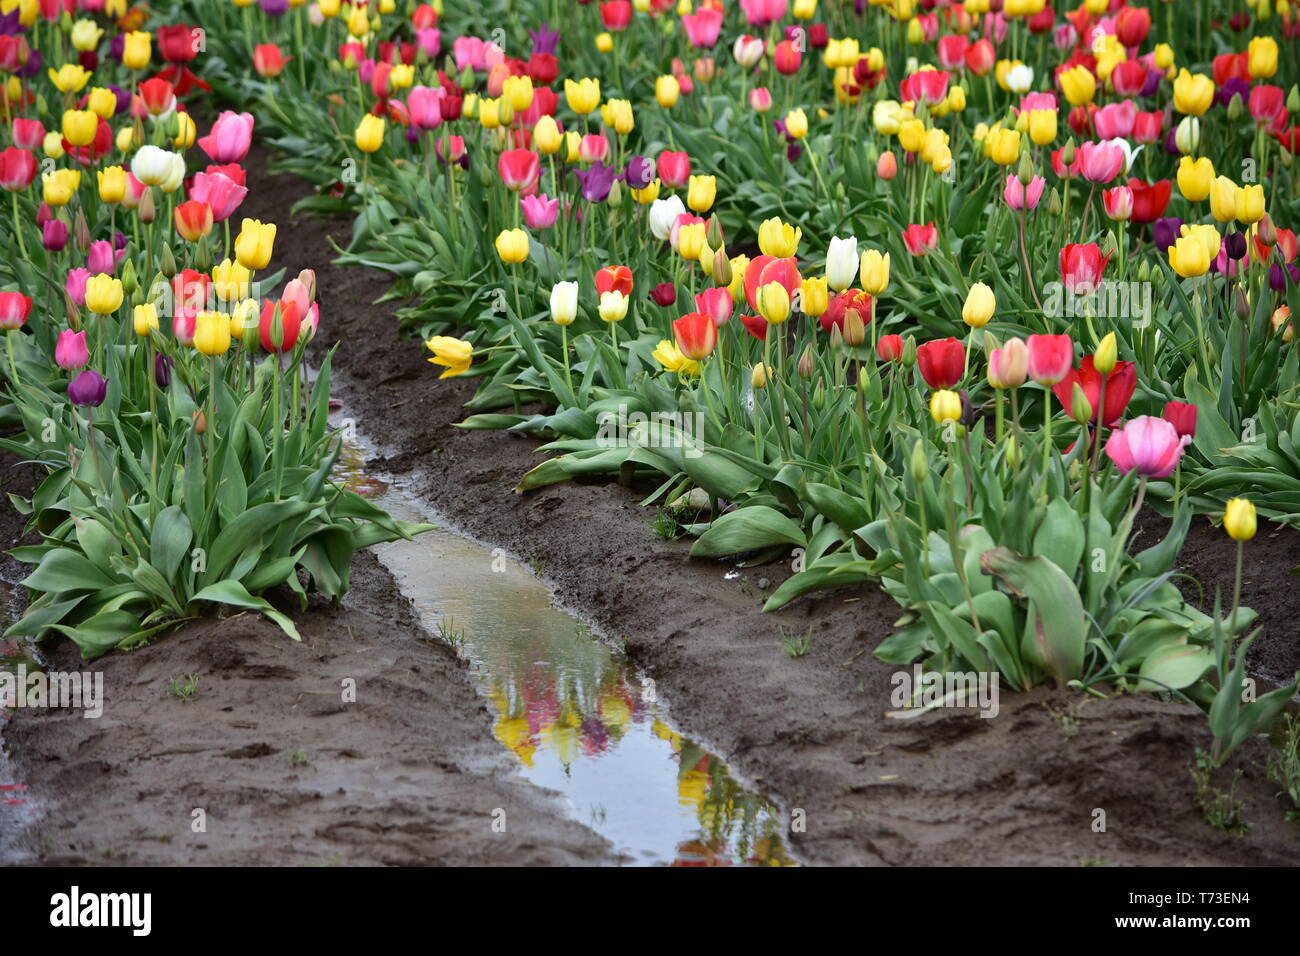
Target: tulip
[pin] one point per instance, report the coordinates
(1003, 146)
(715, 303)
(667, 90)
(1082, 266)
(942, 362)
(211, 333)
(512, 246)
(663, 214)
(760, 99)
(796, 124)
(1078, 84)
(1189, 257)
(219, 192)
(979, 306)
(279, 326)
(774, 303)
(1182, 416)
(890, 348)
(254, 244)
(453, 354)
(702, 192)
(920, 240)
(231, 136)
(1262, 54)
(1249, 204)
(665, 295)
(144, 319)
(778, 239)
(14, 309)
(1120, 383)
(1150, 445)
(1101, 162)
(540, 211)
(613, 306)
(696, 335)
(103, 294)
(136, 50)
(79, 127)
(614, 279)
(841, 263)
(1239, 519)
(1018, 196)
(370, 133)
(674, 168)
(583, 96)
(1118, 203)
(519, 169)
(88, 389)
(564, 303)
(874, 271)
(945, 406)
(70, 351)
(1050, 358)
(1193, 93)
(1195, 178)
(152, 165)
(193, 220)
(268, 61)
(887, 166)
(813, 296)
(1009, 365)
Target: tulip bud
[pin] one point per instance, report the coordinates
(1054, 203)
(920, 466)
(819, 395)
(615, 197)
(167, 262)
(1108, 247)
(1144, 271)
(1240, 303)
(73, 313)
(808, 361)
(713, 233)
(81, 229)
(1267, 231)
(990, 343)
(1013, 450)
(854, 329)
(1026, 171)
(758, 377)
(1239, 519)
(200, 422)
(1293, 100)
(162, 370)
(1080, 407)
(1285, 155)
(909, 351)
(1104, 359)
(1067, 152)
(887, 165)
(722, 274)
(203, 255)
(145, 209)
(130, 281)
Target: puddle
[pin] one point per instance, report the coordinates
(571, 710)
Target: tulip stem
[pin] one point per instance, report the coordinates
(13, 370)
(1047, 434)
(18, 232)
(1236, 590)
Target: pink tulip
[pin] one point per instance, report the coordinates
(425, 106)
(702, 28)
(760, 99)
(70, 350)
(429, 40)
(1149, 444)
(220, 192)
(540, 212)
(76, 285)
(1118, 203)
(1115, 120)
(952, 51)
(230, 137)
(1009, 364)
(1100, 162)
(594, 147)
(1050, 358)
(762, 12)
(715, 303)
(1019, 197)
(102, 259)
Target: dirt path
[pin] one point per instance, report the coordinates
(946, 789)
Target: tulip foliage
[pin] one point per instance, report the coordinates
(941, 295)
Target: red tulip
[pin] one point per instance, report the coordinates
(616, 15)
(755, 325)
(925, 86)
(1182, 416)
(1119, 388)
(614, 279)
(1268, 105)
(942, 362)
(519, 169)
(674, 168)
(176, 43)
(1082, 266)
(980, 57)
(1128, 77)
(664, 294)
(14, 309)
(1132, 24)
(17, 169)
(1149, 199)
(839, 307)
(28, 133)
(952, 51)
(1050, 358)
(787, 59)
(268, 60)
(290, 325)
(890, 348)
(1147, 127)
(1228, 66)
(919, 240)
(193, 220)
(696, 335)
(157, 95)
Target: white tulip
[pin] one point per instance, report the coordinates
(841, 263)
(663, 213)
(564, 302)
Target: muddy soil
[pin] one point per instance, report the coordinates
(949, 788)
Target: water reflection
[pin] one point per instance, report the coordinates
(571, 710)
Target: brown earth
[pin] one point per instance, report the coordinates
(947, 788)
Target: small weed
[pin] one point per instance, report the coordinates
(1067, 718)
(597, 813)
(298, 758)
(184, 688)
(584, 630)
(666, 527)
(448, 631)
(796, 645)
(1284, 765)
(1222, 809)
(1094, 861)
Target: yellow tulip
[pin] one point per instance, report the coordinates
(79, 127)
(1193, 93)
(453, 354)
(546, 135)
(1078, 84)
(690, 241)
(211, 333)
(814, 296)
(144, 319)
(1206, 235)
(512, 246)
(604, 42)
(370, 133)
(582, 95)
(137, 50)
(1223, 199)
(519, 91)
(102, 102)
(945, 406)
(774, 303)
(874, 272)
(69, 78)
(1195, 178)
(1261, 57)
(1107, 354)
(103, 294)
(668, 355)
(796, 123)
(617, 115)
(979, 307)
(911, 135)
(1250, 204)
(1239, 519)
(85, 34)
(1042, 126)
(703, 190)
(1003, 146)
(648, 195)
(1187, 257)
(230, 280)
(112, 184)
(254, 243)
(779, 239)
(667, 90)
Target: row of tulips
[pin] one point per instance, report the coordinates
(646, 216)
(150, 371)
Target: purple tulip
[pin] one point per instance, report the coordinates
(597, 181)
(545, 40)
(640, 172)
(54, 235)
(88, 389)
(1165, 232)
(1235, 243)
(162, 370)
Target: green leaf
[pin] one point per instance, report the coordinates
(1056, 629)
(747, 529)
